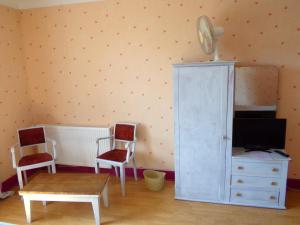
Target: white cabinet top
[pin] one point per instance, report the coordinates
(240, 153)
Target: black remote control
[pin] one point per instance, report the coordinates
(282, 153)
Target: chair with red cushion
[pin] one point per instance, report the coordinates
(124, 135)
(30, 138)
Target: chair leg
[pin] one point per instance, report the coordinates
(49, 169)
(19, 174)
(97, 167)
(104, 195)
(134, 169)
(53, 167)
(122, 178)
(116, 171)
(25, 176)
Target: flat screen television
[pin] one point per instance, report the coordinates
(259, 133)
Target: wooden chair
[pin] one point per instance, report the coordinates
(125, 135)
(28, 138)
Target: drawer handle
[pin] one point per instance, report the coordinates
(272, 197)
(275, 170)
(240, 181)
(238, 195)
(273, 183)
(240, 167)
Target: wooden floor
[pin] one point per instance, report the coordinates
(142, 207)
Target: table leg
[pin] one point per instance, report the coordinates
(96, 209)
(105, 195)
(27, 208)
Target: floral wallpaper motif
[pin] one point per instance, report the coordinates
(108, 61)
(14, 100)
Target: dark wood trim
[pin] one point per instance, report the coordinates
(170, 175)
(293, 183)
(9, 183)
(12, 181)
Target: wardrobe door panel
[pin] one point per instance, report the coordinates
(201, 113)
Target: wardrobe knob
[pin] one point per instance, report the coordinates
(238, 194)
(240, 167)
(272, 197)
(275, 170)
(239, 181)
(273, 183)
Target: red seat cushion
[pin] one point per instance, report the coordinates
(34, 159)
(117, 155)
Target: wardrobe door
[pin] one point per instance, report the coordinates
(200, 131)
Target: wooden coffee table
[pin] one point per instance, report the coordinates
(67, 187)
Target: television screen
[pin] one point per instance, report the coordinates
(264, 133)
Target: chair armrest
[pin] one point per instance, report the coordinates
(13, 155)
(129, 143)
(53, 142)
(104, 138)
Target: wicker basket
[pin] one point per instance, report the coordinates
(154, 180)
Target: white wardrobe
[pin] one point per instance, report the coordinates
(207, 168)
(203, 107)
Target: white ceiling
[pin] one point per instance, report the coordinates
(29, 4)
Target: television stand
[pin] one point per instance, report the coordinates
(258, 178)
(255, 148)
(258, 150)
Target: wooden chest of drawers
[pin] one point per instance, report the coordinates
(258, 179)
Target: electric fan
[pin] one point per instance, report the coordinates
(208, 36)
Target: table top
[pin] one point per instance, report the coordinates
(66, 184)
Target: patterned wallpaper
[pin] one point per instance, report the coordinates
(109, 61)
(14, 100)
(256, 85)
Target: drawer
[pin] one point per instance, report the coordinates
(256, 169)
(258, 182)
(254, 197)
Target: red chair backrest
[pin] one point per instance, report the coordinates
(125, 132)
(31, 136)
